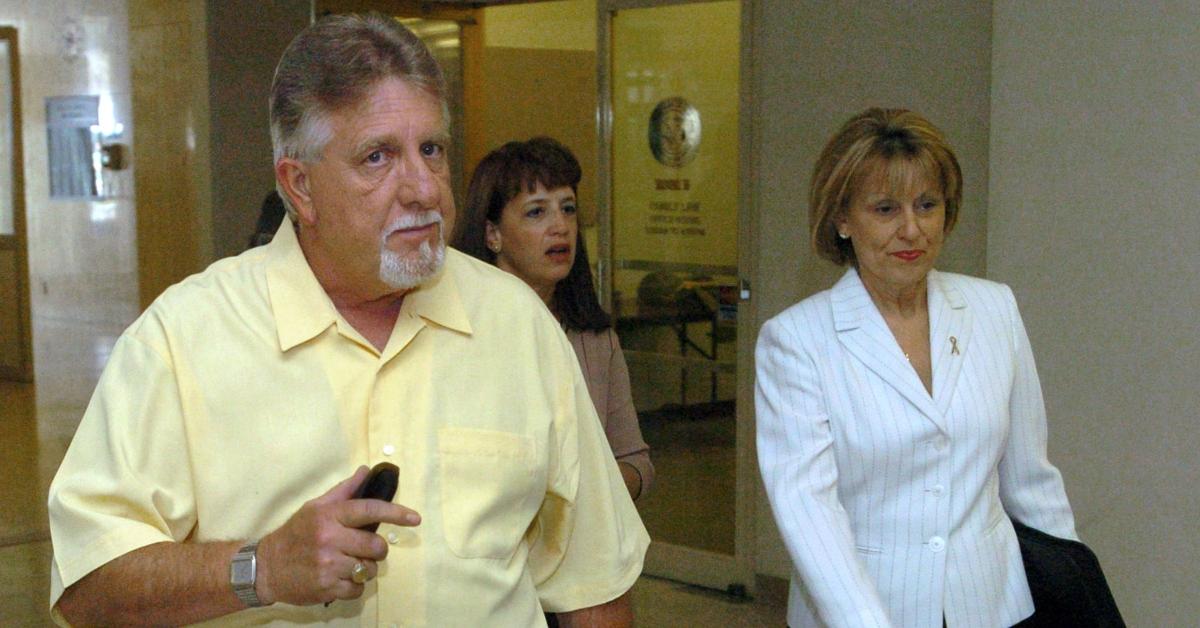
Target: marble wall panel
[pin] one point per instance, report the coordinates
(167, 58)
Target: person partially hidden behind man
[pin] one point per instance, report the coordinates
(226, 429)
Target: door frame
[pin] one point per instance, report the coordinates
(734, 574)
(19, 241)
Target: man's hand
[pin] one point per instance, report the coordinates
(310, 558)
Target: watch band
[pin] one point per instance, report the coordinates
(243, 575)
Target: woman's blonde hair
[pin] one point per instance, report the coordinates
(871, 138)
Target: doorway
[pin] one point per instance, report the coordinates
(674, 272)
(16, 346)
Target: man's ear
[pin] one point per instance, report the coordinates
(292, 176)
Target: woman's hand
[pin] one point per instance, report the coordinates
(632, 478)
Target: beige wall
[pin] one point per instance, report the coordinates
(82, 256)
(541, 83)
(818, 64)
(561, 25)
(245, 40)
(1093, 222)
(531, 91)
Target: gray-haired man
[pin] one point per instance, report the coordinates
(198, 483)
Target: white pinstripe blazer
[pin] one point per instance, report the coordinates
(892, 502)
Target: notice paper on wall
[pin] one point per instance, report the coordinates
(72, 128)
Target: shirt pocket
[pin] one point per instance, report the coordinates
(487, 489)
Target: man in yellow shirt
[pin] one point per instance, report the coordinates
(211, 477)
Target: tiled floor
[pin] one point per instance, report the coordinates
(664, 603)
(36, 424)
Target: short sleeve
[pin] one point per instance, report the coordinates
(125, 481)
(589, 540)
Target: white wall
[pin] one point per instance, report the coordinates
(82, 255)
(1095, 177)
(817, 65)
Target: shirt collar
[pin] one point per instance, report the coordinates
(303, 310)
(439, 300)
(300, 305)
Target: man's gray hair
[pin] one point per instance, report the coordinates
(332, 64)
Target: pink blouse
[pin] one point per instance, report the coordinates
(607, 376)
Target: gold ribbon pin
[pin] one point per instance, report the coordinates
(953, 345)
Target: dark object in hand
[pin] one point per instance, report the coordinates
(381, 484)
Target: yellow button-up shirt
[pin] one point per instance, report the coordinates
(241, 393)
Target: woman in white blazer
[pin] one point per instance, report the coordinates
(900, 418)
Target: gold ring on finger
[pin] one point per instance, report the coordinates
(358, 575)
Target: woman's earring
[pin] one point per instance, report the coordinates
(495, 247)
(843, 236)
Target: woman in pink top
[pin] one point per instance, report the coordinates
(521, 215)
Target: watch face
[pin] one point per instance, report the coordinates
(242, 570)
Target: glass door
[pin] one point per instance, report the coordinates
(16, 361)
(671, 129)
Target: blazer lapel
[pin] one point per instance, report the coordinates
(862, 331)
(949, 336)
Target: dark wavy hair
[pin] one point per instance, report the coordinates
(500, 176)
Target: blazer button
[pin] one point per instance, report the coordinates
(937, 544)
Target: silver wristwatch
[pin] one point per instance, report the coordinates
(243, 574)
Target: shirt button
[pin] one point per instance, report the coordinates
(937, 544)
(940, 443)
(389, 450)
(392, 537)
(937, 490)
